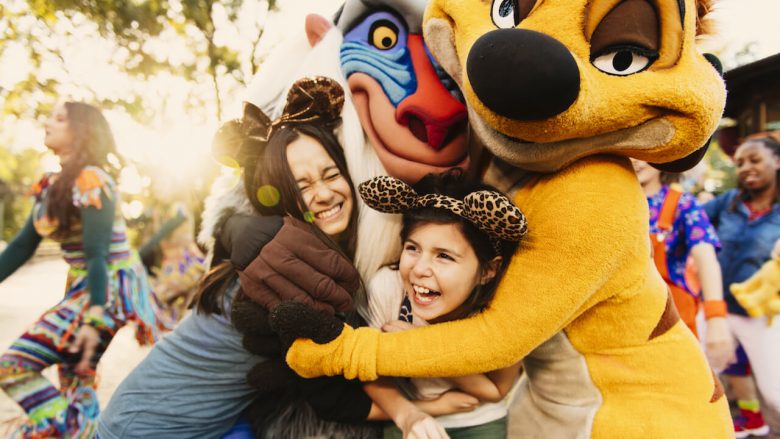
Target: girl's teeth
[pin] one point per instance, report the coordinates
(424, 295)
(421, 290)
(424, 299)
(329, 213)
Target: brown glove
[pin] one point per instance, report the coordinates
(298, 266)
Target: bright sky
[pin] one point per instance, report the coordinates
(178, 144)
(742, 22)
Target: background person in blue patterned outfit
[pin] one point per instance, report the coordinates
(681, 236)
(106, 284)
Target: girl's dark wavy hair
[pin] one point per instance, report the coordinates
(744, 195)
(267, 165)
(93, 142)
(454, 184)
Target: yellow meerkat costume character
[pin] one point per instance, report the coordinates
(568, 89)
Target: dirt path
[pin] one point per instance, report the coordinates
(34, 288)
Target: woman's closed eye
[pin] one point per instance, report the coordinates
(331, 176)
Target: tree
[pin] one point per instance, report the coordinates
(18, 172)
(136, 31)
(154, 60)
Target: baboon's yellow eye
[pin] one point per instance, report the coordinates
(383, 35)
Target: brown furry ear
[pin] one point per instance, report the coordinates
(704, 25)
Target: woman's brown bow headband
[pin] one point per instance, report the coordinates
(310, 100)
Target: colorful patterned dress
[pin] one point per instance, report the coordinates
(677, 225)
(71, 410)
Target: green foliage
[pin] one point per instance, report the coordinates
(130, 25)
(142, 40)
(126, 20)
(721, 174)
(18, 171)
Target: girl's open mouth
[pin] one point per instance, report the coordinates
(424, 295)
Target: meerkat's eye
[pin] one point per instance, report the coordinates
(627, 40)
(624, 61)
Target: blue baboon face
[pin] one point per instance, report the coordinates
(410, 109)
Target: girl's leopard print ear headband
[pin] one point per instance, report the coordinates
(492, 212)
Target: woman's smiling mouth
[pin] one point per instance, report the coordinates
(329, 214)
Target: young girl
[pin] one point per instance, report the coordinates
(457, 239)
(106, 286)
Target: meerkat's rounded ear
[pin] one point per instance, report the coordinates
(715, 61)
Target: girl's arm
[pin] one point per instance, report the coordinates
(719, 342)
(446, 404)
(491, 386)
(414, 417)
(701, 237)
(20, 250)
(389, 401)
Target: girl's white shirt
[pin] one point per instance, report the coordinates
(385, 297)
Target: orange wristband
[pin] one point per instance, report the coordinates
(714, 308)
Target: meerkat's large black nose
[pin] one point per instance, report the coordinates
(523, 74)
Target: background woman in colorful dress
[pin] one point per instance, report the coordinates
(106, 284)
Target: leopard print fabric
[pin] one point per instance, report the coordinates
(492, 212)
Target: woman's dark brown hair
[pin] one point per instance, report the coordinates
(267, 165)
(93, 141)
(274, 170)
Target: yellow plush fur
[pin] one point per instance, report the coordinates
(605, 353)
(760, 295)
(681, 88)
